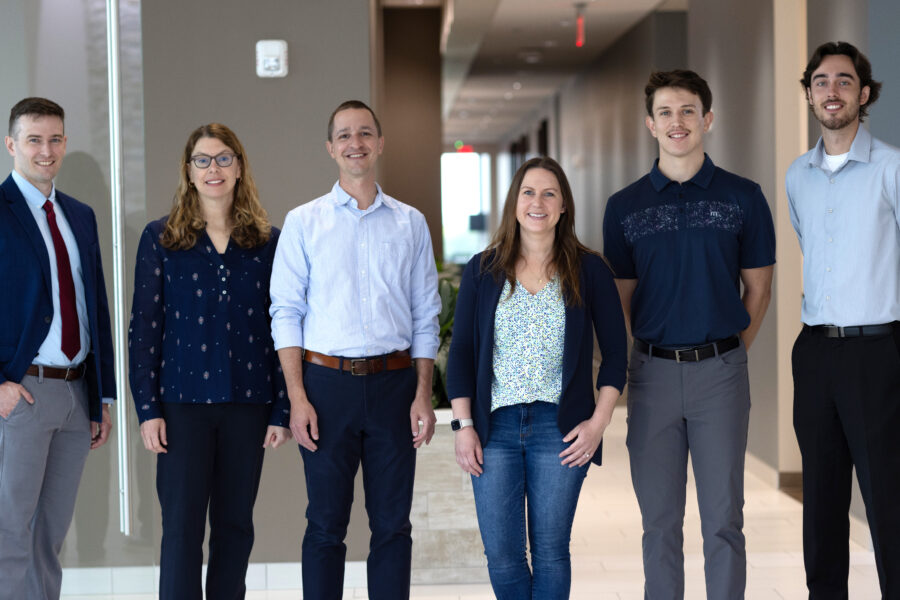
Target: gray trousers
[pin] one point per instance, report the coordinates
(702, 408)
(43, 448)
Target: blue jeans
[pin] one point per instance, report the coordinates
(521, 461)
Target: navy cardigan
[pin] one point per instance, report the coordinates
(470, 368)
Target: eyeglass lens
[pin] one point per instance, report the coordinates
(202, 161)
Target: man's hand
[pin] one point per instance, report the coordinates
(422, 419)
(304, 424)
(10, 392)
(276, 436)
(100, 431)
(153, 432)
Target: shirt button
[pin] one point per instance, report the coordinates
(828, 297)
(828, 269)
(831, 181)
(831, 210)
(830, 240)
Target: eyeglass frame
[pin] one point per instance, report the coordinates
(227, 153)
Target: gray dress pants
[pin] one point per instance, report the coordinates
(43, 448)
(702, 408)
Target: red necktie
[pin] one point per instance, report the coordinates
(71, 337)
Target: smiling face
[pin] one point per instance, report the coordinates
(834, 94)
(355, 144)
(539, 203)
(214, 183)
(37, 146)
(678, 123)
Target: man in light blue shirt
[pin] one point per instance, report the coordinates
(844, 197)
(354, 306)
(56, 355)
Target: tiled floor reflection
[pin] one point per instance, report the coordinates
(606, 544)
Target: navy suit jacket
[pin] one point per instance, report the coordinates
(470, 368)
(27, 306)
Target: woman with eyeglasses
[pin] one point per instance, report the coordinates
(526, 420)
(205, 377)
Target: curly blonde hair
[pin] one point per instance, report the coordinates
(186, 222)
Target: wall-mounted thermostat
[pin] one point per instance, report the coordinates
(271, 58)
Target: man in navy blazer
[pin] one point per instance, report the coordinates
(56, 356)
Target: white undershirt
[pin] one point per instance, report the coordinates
(835, 162)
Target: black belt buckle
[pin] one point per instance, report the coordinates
(687, 352)
(358, 361)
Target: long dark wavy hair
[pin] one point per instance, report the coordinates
(504, 250)
(185, 223)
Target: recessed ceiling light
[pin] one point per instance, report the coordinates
(508, 96)
(517, 85)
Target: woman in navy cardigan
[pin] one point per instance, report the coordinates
(526, 421)
(205, 377)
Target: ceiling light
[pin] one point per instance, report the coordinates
(517, 85)
(508, 96)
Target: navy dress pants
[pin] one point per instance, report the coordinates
(214, 462)
(362, 420)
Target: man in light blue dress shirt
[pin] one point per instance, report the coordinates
(56, 356)
(844, 197)
(354, 306)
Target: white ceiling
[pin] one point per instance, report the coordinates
(502, 59)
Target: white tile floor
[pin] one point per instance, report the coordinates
(606, 544)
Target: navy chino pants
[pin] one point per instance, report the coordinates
(362, 420)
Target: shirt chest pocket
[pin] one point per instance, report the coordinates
(395, 263)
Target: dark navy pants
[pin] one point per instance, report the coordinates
(362, 419)
(214, 462)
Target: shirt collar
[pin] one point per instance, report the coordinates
(32, 195)
(342, 198)
(860, 149)
(701, 178)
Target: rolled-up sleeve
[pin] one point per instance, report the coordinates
(425, 302)
(289, 284)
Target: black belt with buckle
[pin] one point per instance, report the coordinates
(695, 354)
(834, 331)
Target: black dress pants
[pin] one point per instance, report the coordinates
(847, 414)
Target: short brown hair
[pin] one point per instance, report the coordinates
(860, 63)
(352, 104)
(679, 78)
(38, 107)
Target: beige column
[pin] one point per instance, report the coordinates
(791, 124)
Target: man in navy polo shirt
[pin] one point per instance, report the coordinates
(681, 240)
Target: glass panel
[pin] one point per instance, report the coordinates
(465, 204)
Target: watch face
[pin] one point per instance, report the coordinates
(454, 425)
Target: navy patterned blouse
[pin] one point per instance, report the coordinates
(200, 329)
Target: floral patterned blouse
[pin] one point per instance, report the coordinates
(529, 331)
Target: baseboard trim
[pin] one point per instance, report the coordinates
(145, 579)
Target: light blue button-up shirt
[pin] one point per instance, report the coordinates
(848, 223)
(50, 353)
(353, 283)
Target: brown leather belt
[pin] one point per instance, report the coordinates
(69, 374)
(361, 366)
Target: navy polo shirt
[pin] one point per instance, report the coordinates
(686, 245)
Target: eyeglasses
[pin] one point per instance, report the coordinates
(203, 161)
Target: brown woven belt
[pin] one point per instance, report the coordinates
(69, 374)
(361, 366)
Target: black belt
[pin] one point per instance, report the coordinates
(695, 354)
(833, 331)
